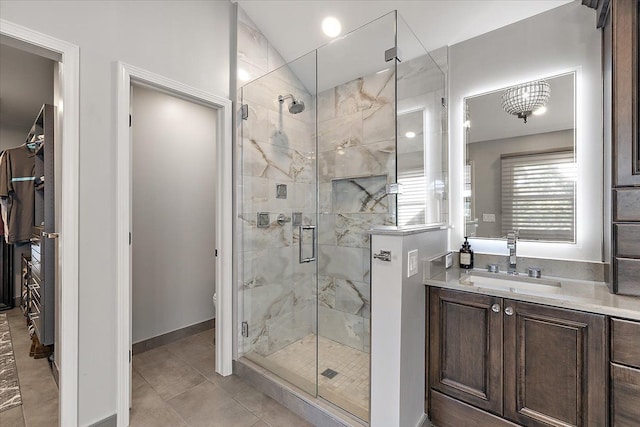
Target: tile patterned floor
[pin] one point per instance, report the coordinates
(38, 389)
(349, 389)
(9, 388)
(176, 386)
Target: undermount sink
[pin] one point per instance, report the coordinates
(508, 282)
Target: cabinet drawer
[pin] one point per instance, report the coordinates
(626, 202)
(625, 342)
(625, 395)
(627, 273)
(628, 240)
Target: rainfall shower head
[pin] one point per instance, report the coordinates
(296, 105)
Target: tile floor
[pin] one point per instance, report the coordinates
(349, 389)
(38, 389)
(176, 386)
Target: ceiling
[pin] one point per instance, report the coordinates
(488, 120)
(26, 82)
(293, 27)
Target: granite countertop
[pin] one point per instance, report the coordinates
(590, 296)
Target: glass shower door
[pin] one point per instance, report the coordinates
(356, 161)
(278, 217)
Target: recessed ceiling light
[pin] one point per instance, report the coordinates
(243, 75)
(540, 111)
(331, 26)
(410, 134)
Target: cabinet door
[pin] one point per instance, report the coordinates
(554, 366)
(466, 347)
(625, 395)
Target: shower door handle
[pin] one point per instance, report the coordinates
(313, 242)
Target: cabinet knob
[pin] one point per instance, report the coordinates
(495, 308)
(508, 311)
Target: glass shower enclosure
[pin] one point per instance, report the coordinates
(320, 152)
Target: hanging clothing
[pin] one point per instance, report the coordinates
(17, 176)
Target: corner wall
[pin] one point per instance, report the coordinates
(187, 41)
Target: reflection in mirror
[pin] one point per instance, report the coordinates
(412, 200)
(521, 175)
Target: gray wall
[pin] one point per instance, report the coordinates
(12, 136)
(173, 213)
(486, 159)
(187, 41)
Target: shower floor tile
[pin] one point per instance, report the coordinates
(348, 389)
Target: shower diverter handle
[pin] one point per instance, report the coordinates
(313, 242)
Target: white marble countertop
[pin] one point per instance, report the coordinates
(593, 297)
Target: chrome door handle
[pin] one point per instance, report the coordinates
(313, 243)
(50, 235)
(495, 308)
(508, 311)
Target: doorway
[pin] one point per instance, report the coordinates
(66, 91)
(173, 208)
(174, 196)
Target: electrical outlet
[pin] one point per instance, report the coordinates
(412, 263)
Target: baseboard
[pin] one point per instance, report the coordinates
(168, 338)
(55, 372)
(111, 421)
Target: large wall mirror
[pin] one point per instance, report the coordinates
(520, 169)
(495, 155)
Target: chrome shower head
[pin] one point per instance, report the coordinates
(296, 105)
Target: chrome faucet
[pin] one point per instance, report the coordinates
(512, 238)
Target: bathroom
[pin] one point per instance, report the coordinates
(351, 163)
(450, 104)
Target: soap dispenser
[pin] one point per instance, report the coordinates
(466, 255)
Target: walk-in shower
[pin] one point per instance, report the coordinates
(305, 283)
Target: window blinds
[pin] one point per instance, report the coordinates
(538, 195)
(413, 199)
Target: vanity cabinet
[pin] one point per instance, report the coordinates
(625, 373)
(501, 361)
(620, 42)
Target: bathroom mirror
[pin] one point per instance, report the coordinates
(520, 170)
(561, 41)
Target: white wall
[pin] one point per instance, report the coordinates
(544, 45)
(173, 206)
(187, 41)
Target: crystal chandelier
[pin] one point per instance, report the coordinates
(521, 100)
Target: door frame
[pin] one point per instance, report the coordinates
(69, 78)
(126, 75)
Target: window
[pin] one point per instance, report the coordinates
(412, 202)
(538, 195)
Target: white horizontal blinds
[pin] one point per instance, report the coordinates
(412, 202)
(538, 195)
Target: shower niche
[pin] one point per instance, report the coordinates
(326, 126)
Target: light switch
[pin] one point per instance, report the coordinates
(488, 217)
(412, 263)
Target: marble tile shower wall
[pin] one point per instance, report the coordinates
(275, 147)
(356, 160)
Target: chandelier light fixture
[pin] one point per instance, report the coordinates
(522, 100)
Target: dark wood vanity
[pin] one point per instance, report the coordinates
(619, 20)
(496, 361)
